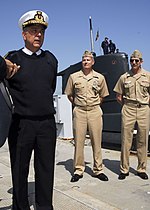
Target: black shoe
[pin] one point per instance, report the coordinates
(76, 177)
(123, 176)
(102, 177)
(142, 175)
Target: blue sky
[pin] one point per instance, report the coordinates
(68, 34)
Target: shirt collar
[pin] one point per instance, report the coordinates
(142, 72)
(29, 52)
(91, 75)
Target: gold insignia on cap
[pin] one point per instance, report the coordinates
(38, 18)
(87, 53)
(136, 54)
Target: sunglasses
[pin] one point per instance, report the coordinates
(136, 60)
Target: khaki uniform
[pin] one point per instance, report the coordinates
(136, 91)
(87, 92)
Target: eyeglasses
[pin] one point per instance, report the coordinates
(136, 60)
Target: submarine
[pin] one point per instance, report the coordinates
(111, 66)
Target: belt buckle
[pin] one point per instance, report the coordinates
(139, 105)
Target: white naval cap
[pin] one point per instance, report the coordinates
(33, 17)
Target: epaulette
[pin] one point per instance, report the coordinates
(10, 53)
(51, 58)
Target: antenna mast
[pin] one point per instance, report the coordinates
(91, 35)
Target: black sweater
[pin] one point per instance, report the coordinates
(2, 68)
(32, 87)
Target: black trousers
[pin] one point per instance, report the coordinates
(27, 135)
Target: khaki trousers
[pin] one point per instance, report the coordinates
(90, 120)
(130, 116)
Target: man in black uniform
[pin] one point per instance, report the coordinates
(2, 65)
(7, 67)
(104, 46)
(112, 46)
(33, 126)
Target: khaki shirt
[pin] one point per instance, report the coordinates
(87, 90)
(134, 87)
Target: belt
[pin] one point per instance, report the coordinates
(135, 104)
(87, 108)
(34, 118)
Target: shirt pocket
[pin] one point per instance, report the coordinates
(144, 87)
(128, 88)
(79, 88)
(95, 86)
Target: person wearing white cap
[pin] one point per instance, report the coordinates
(33, 125)
(133, 93)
